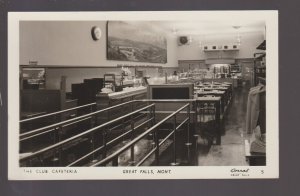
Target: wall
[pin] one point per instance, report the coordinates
(61, 43)
(70, 43)
(248, 46)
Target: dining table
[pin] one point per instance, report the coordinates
(214, 93)
(217, 103)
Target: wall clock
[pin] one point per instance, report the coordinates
(96, 33)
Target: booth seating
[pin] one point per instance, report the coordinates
(38, 102)
(86, 92)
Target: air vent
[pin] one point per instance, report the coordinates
(183, 40)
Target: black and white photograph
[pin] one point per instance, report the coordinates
(143, 95)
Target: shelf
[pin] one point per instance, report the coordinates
(212, 50)
(262, 80)
(261, 55)
(219, 50)
(259, 64)
(231, 49)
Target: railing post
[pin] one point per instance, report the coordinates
(91, 108)
(156, 146)
(55, 159)
(93, 120)
(92, 137)
(123, 130)
(30, 162)
(196, 116)
(108, 115)
(174, 163)
(153, 114)
(152, 123)
(104, 144)
(196, 136)
(60, 150)
(132, 137)
(55, 118)
(188, 125)
(115, 162)
(92, 140)
(217, 118)
(41, 160)
(132, 155)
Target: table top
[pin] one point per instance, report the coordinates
(208, 98)
(217, 92)
(213, 87)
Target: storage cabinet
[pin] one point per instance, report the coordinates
(260, 63)
(259, 67)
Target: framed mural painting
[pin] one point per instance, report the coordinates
(136, 42)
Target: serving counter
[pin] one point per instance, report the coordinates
(105, 100)
(235, 81)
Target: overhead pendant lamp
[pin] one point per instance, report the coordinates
(238, 37)
(174, 31)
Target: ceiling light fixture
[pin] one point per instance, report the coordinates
(238, 37)
(174, 31)
(200, 44)
(190, 39)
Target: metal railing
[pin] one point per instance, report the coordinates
(58, 126)
(102, 128)
(59, 112)
(106, 144)
(154, 129)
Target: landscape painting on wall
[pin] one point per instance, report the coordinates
(136, 42)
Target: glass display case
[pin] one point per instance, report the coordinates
(33, 78)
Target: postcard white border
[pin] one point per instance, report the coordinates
(182, 172)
